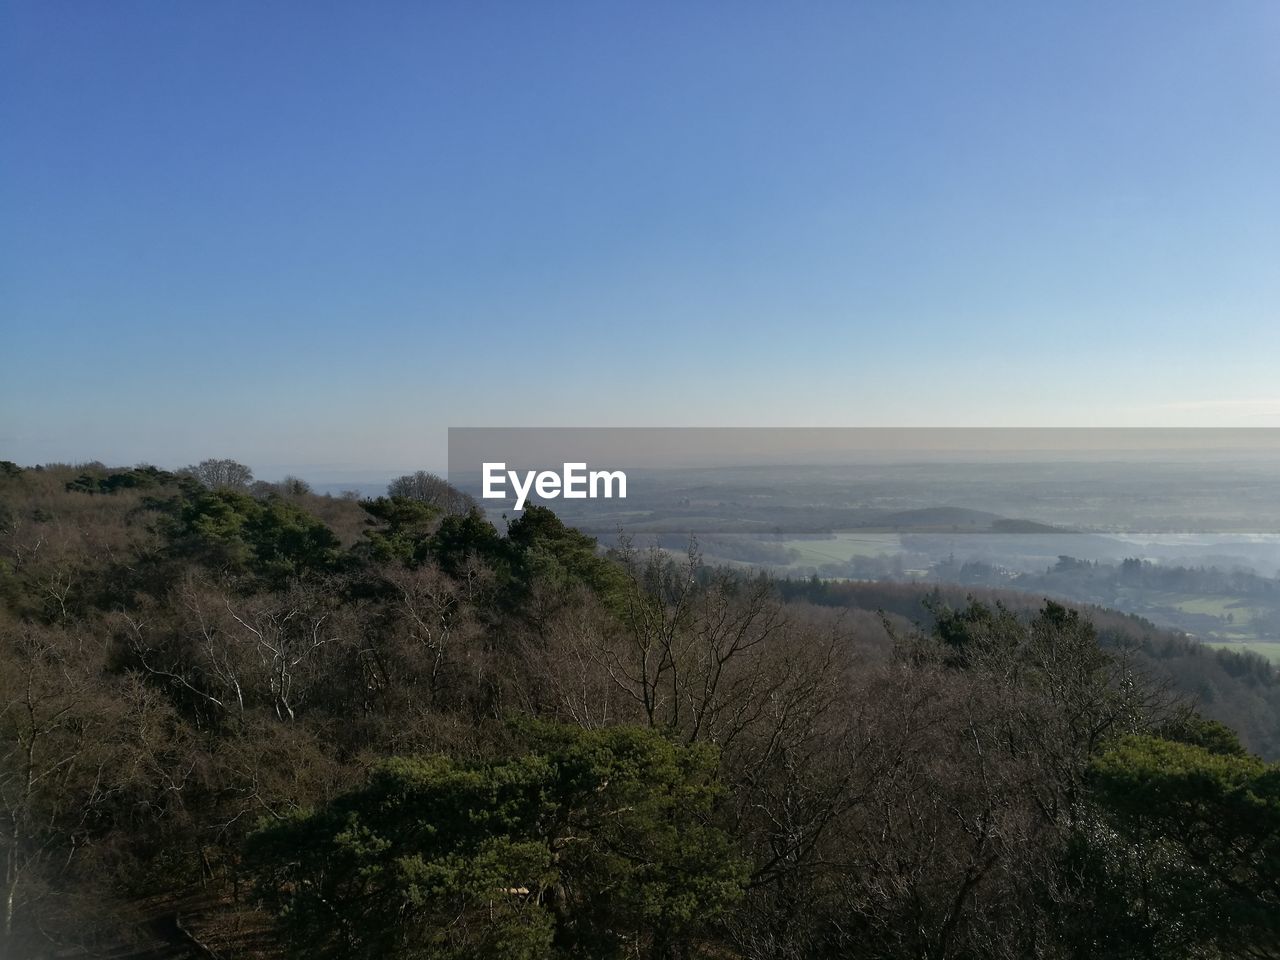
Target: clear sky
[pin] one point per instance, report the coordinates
(314, 235)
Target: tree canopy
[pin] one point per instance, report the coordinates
(251, 721)
(591, 844)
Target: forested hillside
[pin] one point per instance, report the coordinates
(243, 720)
(1240, 689)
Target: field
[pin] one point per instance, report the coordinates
(843, 547)
(1236, 613)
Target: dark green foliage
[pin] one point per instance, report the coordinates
(412, 531)
(404, 528)
(274, 539)
(1198, 731)
(538, 547)
(1056, 641)
(139, 478)
(467, 536)
(976, 629)
(1197, 843)
(546, 549)
(594, 844)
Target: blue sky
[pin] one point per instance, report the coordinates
(314, 235)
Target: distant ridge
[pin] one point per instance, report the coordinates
(957, 520)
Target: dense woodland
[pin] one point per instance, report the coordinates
(243, 720)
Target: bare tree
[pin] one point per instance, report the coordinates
(433, 489)
(69, 744)
(227, 653)
(214, 473)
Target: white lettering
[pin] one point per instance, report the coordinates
(575, 473)
(574, 483)
(494, 473)
(548, 485)
(522, 492)
(609, 478)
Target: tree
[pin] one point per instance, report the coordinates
(1199, 851)
(464, 539)
(215, 474)
(275, 539)
(592, 844)
(545, 549)
(292, 486)
(72, 757)
(404, 528)
(433, 489)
